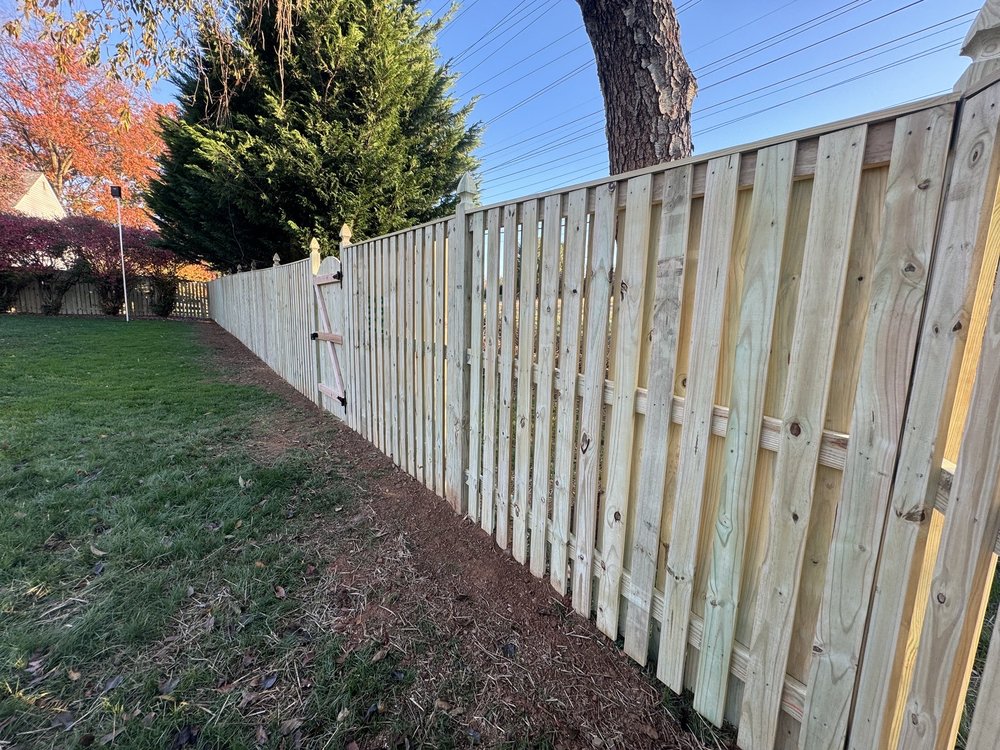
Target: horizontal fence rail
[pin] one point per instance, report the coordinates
(82, 299)
(709, 402)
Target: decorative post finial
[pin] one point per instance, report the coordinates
(467, 190)
(345, 235)
(277, 260)
(314, 255)
(982, 45)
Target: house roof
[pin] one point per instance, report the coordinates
(29, 196)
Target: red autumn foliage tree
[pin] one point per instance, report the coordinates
(79, 126)
(57, 254)
(35, 250)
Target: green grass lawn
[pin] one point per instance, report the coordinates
(150, 583)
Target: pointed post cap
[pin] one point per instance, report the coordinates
(277, 260)
(345, 235)
(314, 258)
(982, 45)
(467, 190)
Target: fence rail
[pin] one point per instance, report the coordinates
(82, 299)
(709, 401)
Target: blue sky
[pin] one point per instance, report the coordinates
(764, 68)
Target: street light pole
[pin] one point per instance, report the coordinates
(116, 193)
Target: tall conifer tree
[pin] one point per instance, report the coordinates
(346, 119)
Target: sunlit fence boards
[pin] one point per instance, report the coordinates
(708, 402)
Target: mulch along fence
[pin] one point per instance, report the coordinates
(709, 401)
(82, 299)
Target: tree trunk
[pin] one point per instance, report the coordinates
(647, 85)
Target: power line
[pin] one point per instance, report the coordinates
(465, 52)
(547, 45)
(531, 97)
(741, 27)
(732, 101)
(858, 77)
(814, 44)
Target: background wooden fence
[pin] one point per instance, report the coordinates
(82, 299)
(709, 401)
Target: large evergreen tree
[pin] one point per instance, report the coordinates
(346, 119)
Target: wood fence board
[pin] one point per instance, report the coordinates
(621, 431)
(548, 303)
(488, 498)
(419, 417)
(440, 365)
(427, 271)
(506, 396)
(706, 338)
(664, 331)
(835, 191)
(394, 361)
(457, 387)
(475, 435)
(525, 361)
(916, 177)
(597, 296)
(571, 302)
(409, 381)
(957, 257)
(769, 212)
(964, 565)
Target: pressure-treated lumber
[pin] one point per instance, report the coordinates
(487, 512)
(457, 388)
(630, 291)
(506, 396)
(475, 435)
(828, 239)
(525, 362)
(709, 304)
(571, 304)
(598, 297)
(666, 318)
(985, 727)
(964, 564)
(962, 231)
(916, 178)
(768, 220)
(548, 299)
(442, 231)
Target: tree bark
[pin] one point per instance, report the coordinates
(647, 85)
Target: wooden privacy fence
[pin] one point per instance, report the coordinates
(82, 299)
(709, 401)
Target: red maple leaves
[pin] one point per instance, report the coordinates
(80, 127)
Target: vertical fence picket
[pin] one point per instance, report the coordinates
(915, 181)
(630, 295)
(508, 319)
(571, 301)
(595, 357)
(440, 365)
(772, 192)
(427, 280)
(525, 372)
(675, 218)
(548, 299)
(708, 316)
(835, 191)
(419, 417)
(487, 508)
(475, 438)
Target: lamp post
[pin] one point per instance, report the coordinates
(116, 193)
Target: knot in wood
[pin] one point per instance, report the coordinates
(795, 428)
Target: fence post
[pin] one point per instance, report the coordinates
(459, 262)
(982, 44)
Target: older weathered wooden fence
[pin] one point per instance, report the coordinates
(710, 401)
(82, 299)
